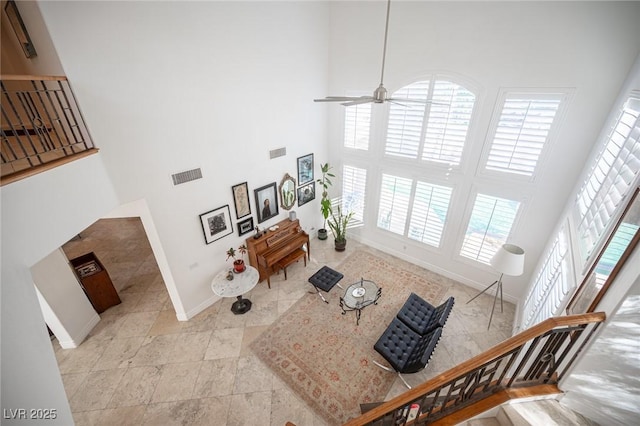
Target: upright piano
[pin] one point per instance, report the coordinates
(272, 246)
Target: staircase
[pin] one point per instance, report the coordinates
(526, 366)
(548, 412)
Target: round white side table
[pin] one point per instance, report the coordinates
(241, 283)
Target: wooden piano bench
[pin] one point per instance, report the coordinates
(292, 257)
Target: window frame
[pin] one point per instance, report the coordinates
(470, 204)
(563, 94)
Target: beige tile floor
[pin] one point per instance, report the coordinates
(141, 366)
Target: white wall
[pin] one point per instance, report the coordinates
(66, 309)
(170, 86)
(587, 47)
(605, 383)
(38, 215)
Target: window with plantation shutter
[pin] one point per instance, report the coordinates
(395, 195)
(552, 285)
(404, 130)
(357, 125)
(354, 183)
(429, 213)
(612, 176)
(447, 123)
(489, 227)
(522, 132)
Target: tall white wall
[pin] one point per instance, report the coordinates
(39, 214)
(170, 86)
(605, 384)
(164, 87)
(587, 47)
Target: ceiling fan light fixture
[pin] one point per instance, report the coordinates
(380, 94)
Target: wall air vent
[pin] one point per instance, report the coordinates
(275, 153)
(188, 176)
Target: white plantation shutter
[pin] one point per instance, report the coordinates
(395, 194)
(521, 133)
(430, 206)
(404, 130)
(357, 125)
(354, 183)
(615, 170)
(552, 285)
(448, 123)
(489, 227)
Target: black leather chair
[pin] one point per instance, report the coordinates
(404, 349)
(325, 279)
(422, 316)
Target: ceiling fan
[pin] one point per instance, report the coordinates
(380, 94)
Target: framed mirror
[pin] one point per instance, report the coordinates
(287, 191)
(611, 259)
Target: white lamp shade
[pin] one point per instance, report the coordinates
(509, 260)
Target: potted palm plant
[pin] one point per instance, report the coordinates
(325, 202)
(238, 264)
(338, 224)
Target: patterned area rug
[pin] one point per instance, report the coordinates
(324, 356)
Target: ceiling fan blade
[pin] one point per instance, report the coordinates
(363, 100)
(416, 101)
(338, 99)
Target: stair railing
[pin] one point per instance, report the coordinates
(42, 126)
(540, 355)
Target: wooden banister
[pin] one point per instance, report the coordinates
(16, 77)
(42, 126)
(510, 347)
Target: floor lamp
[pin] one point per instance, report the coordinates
(509, 259)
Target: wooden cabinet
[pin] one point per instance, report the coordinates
(95, 282)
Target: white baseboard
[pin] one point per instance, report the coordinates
(431, 267)
(195, 311)
(75, 341)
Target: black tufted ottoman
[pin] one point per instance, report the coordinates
(404, 349)
(325, 279)
(422, 316)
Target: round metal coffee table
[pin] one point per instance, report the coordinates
(358, 296)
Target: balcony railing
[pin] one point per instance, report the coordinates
(42, 126)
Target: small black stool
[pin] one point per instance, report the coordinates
(325, 279)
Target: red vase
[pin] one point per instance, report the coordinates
(238, 265)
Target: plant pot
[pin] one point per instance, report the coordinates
(322, 234)
(238, 266)
(340, 245)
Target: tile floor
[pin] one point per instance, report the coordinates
(141, 366)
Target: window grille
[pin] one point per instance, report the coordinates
(553, 283)
(522, 132)
(429, 213)
(613, 174)
(357, 125)
(395, 195)
(354, 184)
(448, 123)
(489, 227)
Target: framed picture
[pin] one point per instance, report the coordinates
(305, 169)
(245, 226)
(266, 202)
(241, 200)
(306, 193)
(216, 224)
